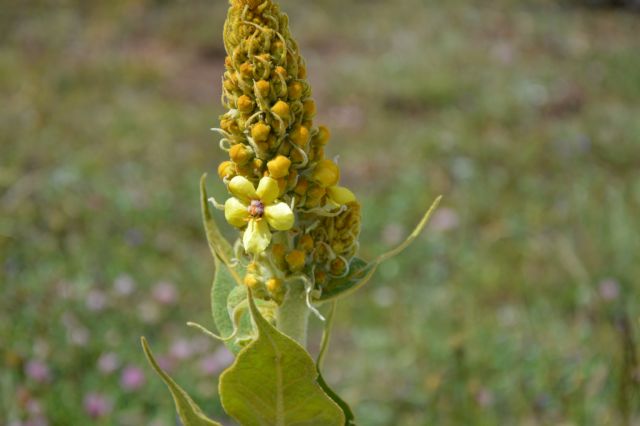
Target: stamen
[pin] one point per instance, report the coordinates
(256, 208)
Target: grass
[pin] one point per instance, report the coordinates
(518, 306)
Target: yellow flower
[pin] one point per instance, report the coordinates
(340, 195)
(258, 209)
(326, 173)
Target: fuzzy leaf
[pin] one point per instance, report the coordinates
(217, 243)
(362, 271)
(189, 412)
(273, 383)
(219, 246)
(223, 285)
(350, 419)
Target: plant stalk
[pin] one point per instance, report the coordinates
(292, 317)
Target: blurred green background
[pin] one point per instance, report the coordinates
(519, 305)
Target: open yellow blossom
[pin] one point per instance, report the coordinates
(258, 210)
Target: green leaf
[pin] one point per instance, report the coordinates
(273, 383)
(361, 271)
(350, 419)
(223, 285)
(219, 246)
(189, 412)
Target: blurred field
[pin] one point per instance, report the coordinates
(518, 306)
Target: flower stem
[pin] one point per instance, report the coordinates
(292, 317)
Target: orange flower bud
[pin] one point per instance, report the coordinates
(274, 285)
(322, 137)
(240, 153)
(278, 251)
(252, 267)
(246, 69)
(281, 109)
(226, 169)
(279, 166)
(300, 136)
(251, 281)
(295, 259)
(251, 3)
(301, 186)
(316, 192)
(296, 156)
(338, 266)
(305, 243)
(245, 104)
(309, 108)
(281, 71)
(326, 173)
(260, 132)
(257, 164)
(263, 88)
(302, 69)
(230, 85)
(295, 90)
(228, 125)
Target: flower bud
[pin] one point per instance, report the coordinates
(301, 186)
(296, 156)
(320, 276)
(281, 71)
(295, 259)
(263, 87)
(295, 90)
(338, 266)
(257, 165)
(260, 132)
(251, 281)
(302, 70)
(230, 85)
(226, 169)
(322, 137)
(274, 285)
(309, 108)
(305, 243)
(253, 267)
(246, 69)
(279, 167)
(316, 192)
(229, 125)
(251, 3)
(281, 109)
(245, 104)
(326, 173)
(240, 153)
(277, 49)
(300, 136)
(341, 195)
(278, 251)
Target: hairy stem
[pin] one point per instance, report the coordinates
(292, 317)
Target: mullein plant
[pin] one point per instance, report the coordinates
(298, 233)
